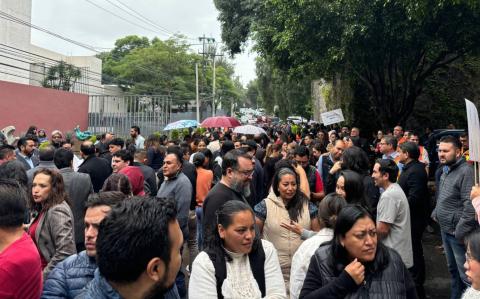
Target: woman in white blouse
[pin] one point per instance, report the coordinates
(328, 210)
(235, 263)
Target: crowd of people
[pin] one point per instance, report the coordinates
(298, 212)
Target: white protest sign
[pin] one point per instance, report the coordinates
(332, 117)
(473, 131)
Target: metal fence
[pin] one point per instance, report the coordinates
(110, 113)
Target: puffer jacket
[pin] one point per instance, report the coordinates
(99, 288)
(454, 210)
(69, 277)
(390, 281)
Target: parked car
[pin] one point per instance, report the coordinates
(432, 145)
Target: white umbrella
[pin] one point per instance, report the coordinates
(249, 130)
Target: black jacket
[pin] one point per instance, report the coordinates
(385, 278)
(98, 169)
(413, 181)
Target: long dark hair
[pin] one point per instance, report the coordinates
(472, 241)
(224, 215)
(354, 188)
(346, 219)
(155, 141)
(354, 158)
(208, 154)
(295, 205)
(57, 193)
(32, 130)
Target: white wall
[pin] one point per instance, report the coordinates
(19, 36)
(15, 35)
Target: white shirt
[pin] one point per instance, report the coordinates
(76, 162)
(301, 260)
(139, 142)
(239, 283)
(471, 293)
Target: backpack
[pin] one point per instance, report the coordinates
(257, 263)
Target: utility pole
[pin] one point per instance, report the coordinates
(198, 96)
(213, 86)
(214, 56)
(206, 41)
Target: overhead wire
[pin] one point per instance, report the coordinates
(126, 20)
(148, 20)
(138, 16)
(12, 18)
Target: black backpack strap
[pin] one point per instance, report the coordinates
(220, 267)
(257, 263)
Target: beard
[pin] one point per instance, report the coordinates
(159, 289)
(241, 187)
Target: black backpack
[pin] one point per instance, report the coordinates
(257, 263)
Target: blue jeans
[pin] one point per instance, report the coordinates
(199, 213)
(455, 254)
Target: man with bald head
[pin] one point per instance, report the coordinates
(98, 169)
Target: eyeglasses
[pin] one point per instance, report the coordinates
(246, 173)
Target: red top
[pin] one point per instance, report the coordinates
(32, 231)
(20, 270)
(319, 182)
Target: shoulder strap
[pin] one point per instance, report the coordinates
(257, 263)
(220, 266)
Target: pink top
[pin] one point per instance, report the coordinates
(476, 206)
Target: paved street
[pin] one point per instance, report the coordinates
(437, 283)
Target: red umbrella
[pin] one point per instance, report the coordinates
(220, 122)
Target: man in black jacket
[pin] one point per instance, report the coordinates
(413, 181)
(148, 173)
(97, 168)
(78, 186)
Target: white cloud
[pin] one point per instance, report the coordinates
(83, 22)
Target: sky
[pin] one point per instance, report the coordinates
(82, 21)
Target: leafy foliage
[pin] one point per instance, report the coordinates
(166, 67)
(62, 76)
(277, 88)
(388, 48)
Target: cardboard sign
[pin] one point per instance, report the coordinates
(332, 117)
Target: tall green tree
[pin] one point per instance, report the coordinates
(167, 67)
(291, 94)
(389, 47)
(62, 76)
